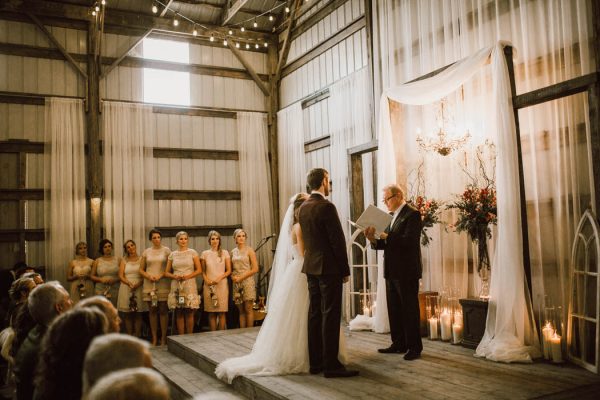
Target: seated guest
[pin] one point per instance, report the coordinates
(104, 305)
(58, 374)
(133, 383)
(37, 278)
(130, 301)
(79, 273)
(105, 272)
(23, 324)
(113, 352)
(45, 303)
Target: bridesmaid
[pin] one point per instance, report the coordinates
(79, 274)
(156, 286)
(244, 288)
(183, 266)
(216, 267)
(130, 295)
(105, 272)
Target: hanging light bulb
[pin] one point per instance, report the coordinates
(287, 9)
(266, 44)
(256, 45)
(175, 22)
(195, 32)
(230, 32)
(154, 8)
(225, 42)
(255, 24)
(103, 2)
(97, 8)
(247, 46)
(271, 18)
(237, 45)
(94, 13)
(242, 29)
(212, 38)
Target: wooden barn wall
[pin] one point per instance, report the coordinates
(21, 74)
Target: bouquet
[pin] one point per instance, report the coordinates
(430, 210)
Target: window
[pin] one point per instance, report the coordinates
(163, 86)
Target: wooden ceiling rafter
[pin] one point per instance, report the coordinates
(231, 9)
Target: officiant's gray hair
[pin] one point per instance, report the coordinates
(394, 189)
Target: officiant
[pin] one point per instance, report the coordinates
(402, 270)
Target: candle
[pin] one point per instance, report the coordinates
(433, 328)
(547, 332)
(366, 311)
(458, 318)
(446, 325)
(555, 342)
(457, 333)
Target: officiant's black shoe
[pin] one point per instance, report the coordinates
(392, 349)
(315, 371)
(412, 355)
(340, 373)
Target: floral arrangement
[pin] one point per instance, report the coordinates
(430, 210)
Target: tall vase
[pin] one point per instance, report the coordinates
(482, 259)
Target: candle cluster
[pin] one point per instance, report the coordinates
(445, 319)
(552, 343)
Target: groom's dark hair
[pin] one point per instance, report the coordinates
(315, 177)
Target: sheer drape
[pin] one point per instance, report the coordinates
(128, 131)
(292, 169)
(255, 180)
(64, 184)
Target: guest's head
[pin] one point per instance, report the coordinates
(182, 239)
(105, 247)
(317, 179)
(240, 236)
(104, 305)
(297, 201)
(81, 249)
(129, 248)
(113, 352)
(20, 268)
(63, 349)
(155, 237)
(392, 197)
(37, 278)
(127, 384)
(47, 301)
(20, 289)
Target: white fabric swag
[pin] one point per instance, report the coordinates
(510, 332)
(290, 147)
(64, 184)
(255, 180)
(128, 175)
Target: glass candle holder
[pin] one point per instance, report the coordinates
(432, 307)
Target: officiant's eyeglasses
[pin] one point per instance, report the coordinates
(386, 199)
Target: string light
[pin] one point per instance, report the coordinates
(97, 8)
(230, 32)
(271, 18)
(225, 42)
(103, 2)
(287, 9)
(242, 29)
(212, 38)
(237, 45)
(255, 24)
(175, 22)
(266, 44)
(256, 45)
(195, 31)
(94, 13)
(247, 46)
(154, 8)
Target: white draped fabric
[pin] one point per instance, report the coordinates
(255, 180)
(64, 183)
(290, 147)
(510, 331)
(128, 131)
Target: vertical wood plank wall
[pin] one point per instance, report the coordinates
(56, 77)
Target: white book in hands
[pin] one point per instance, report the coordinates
(375, 217)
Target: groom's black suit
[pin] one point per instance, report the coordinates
(402, 270)
(325, 265)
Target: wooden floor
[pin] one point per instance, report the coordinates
(445, 371)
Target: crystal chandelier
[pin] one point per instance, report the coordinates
(442, 145)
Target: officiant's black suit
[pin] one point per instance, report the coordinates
(325, 265)
(402, 270)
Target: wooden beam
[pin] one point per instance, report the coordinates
(59, 46)
(363, 148)
(21, 146)
(593, 100)
(232, 7)
(273, 140)
(197, 195)
(197, 112)
(21, 194)
(348, 31)
(17, 235)
(164, 11)
(315, 98)
(287, 42)
(22, 98)
(196, 231)
(119, 59)
(317, 144)
(553, 92)
(370, 61)
(196, 154)
(261, 85)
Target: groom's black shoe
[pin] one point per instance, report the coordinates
(392, 349)
(340, 373)
(315, 370)
(412, 355)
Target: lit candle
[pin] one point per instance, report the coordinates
(366, 311)
(555, 342)
(433, 328)
(547, 332)
(457, 333)
(446, 325)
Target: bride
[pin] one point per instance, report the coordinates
(281, 346)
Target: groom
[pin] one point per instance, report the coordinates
(326, 268)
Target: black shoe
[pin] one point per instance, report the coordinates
(315, 371)
(412, 355)
(392, 349)
(340, 373)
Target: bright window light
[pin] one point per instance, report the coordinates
(162, 86)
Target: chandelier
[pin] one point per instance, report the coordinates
(442, 145)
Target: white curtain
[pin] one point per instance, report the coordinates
(128, 131)
(290, 147)
(64, 184)
(255, 180)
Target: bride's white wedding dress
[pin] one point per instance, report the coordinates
(281, 346)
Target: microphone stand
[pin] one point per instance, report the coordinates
(260, 244)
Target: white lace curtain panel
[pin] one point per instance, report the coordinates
(64, 183)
